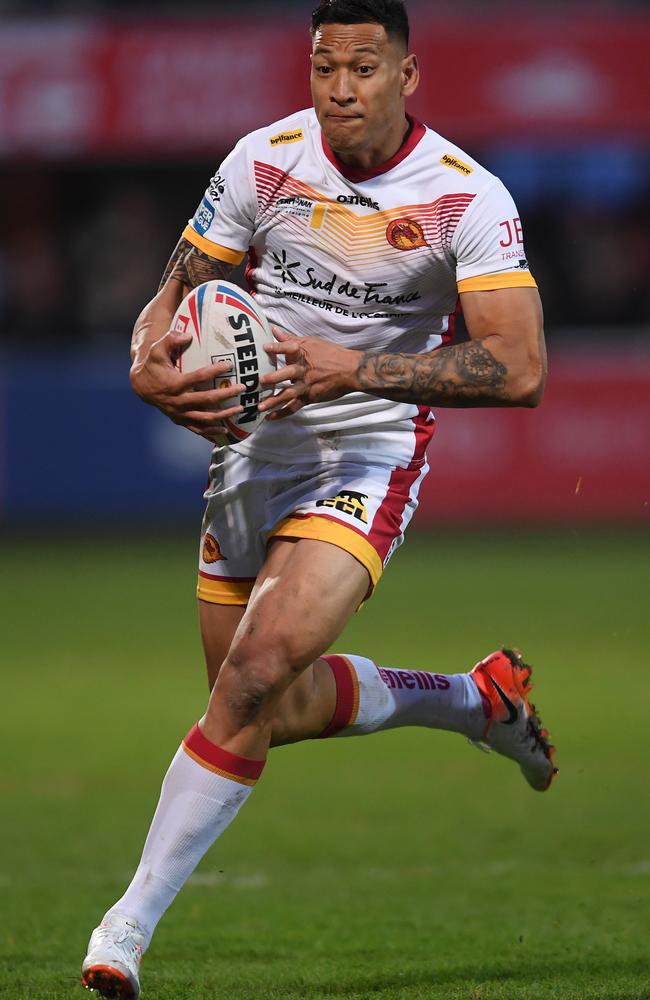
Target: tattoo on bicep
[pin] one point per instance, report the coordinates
(192, 267)
(466, 374)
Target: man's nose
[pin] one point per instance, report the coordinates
(342, 92)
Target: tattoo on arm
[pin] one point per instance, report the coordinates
(466, 374)
(192, 267)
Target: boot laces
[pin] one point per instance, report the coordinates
(122, 939)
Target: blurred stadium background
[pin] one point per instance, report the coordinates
(112, 118)
(114, 115)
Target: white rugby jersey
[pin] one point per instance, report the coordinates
(370, 259)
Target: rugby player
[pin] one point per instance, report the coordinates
(364, 229)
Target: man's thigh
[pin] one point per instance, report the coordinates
(306, 592)
(257, 512)
(308, 704)
(219, 622)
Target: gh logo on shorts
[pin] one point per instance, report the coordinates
(348, 502)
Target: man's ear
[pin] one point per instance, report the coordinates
(410, 75)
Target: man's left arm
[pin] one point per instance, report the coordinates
(502, 364)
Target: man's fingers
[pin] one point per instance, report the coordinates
(214, 436)
(209, 399)
(204, 375)
(288, 347)
(282, 398)
(281, 334)
(176, 341)
(291, 373)
(286, 411)
(206, 418)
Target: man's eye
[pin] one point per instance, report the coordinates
(365, 70)
(323, 70)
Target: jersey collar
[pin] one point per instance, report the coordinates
(354, 174)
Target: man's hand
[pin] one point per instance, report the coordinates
(316, 369)
(503, 363)
(185, 398)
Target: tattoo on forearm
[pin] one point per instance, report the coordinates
(192, 267)
(463, 375)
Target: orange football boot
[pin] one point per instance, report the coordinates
(513, 727)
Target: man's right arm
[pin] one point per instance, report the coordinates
(155, 349)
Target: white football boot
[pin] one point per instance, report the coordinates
(112, 964)
(513, 727)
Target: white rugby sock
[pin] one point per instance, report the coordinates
(370, 698)
(202, 792)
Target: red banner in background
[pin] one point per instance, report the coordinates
(192, 86)
(583, 455)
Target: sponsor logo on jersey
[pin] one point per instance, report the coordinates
(348, 502)
(456, 164)
(405, 234)
(216, 187)
(285, 138)
(294, 200)
(204, 216)
(299, 208)
(357, 199)
(212, 550)
(523, 265)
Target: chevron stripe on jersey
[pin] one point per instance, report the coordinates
(372, 261)
(336, 227)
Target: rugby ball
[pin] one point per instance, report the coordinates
(226, 324)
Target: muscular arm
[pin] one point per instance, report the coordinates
(191, 267)
(187, 268)
(155, 348)
(503, 364)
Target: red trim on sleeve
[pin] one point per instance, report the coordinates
(355, 174)
(242, 767)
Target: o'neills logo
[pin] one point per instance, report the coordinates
(405, 234)
(212, 550)
(284, 138)
(451, 161)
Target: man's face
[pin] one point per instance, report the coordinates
(359, 79)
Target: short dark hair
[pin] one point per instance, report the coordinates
(390, 13)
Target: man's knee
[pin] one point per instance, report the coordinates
(261, 664)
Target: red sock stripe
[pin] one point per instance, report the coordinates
(214, 758)
(347, 694)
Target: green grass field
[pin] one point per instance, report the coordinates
(399, 865)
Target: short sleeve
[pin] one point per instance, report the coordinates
(489, 244)
(224, 222)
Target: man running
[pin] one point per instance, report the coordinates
(364, 231)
